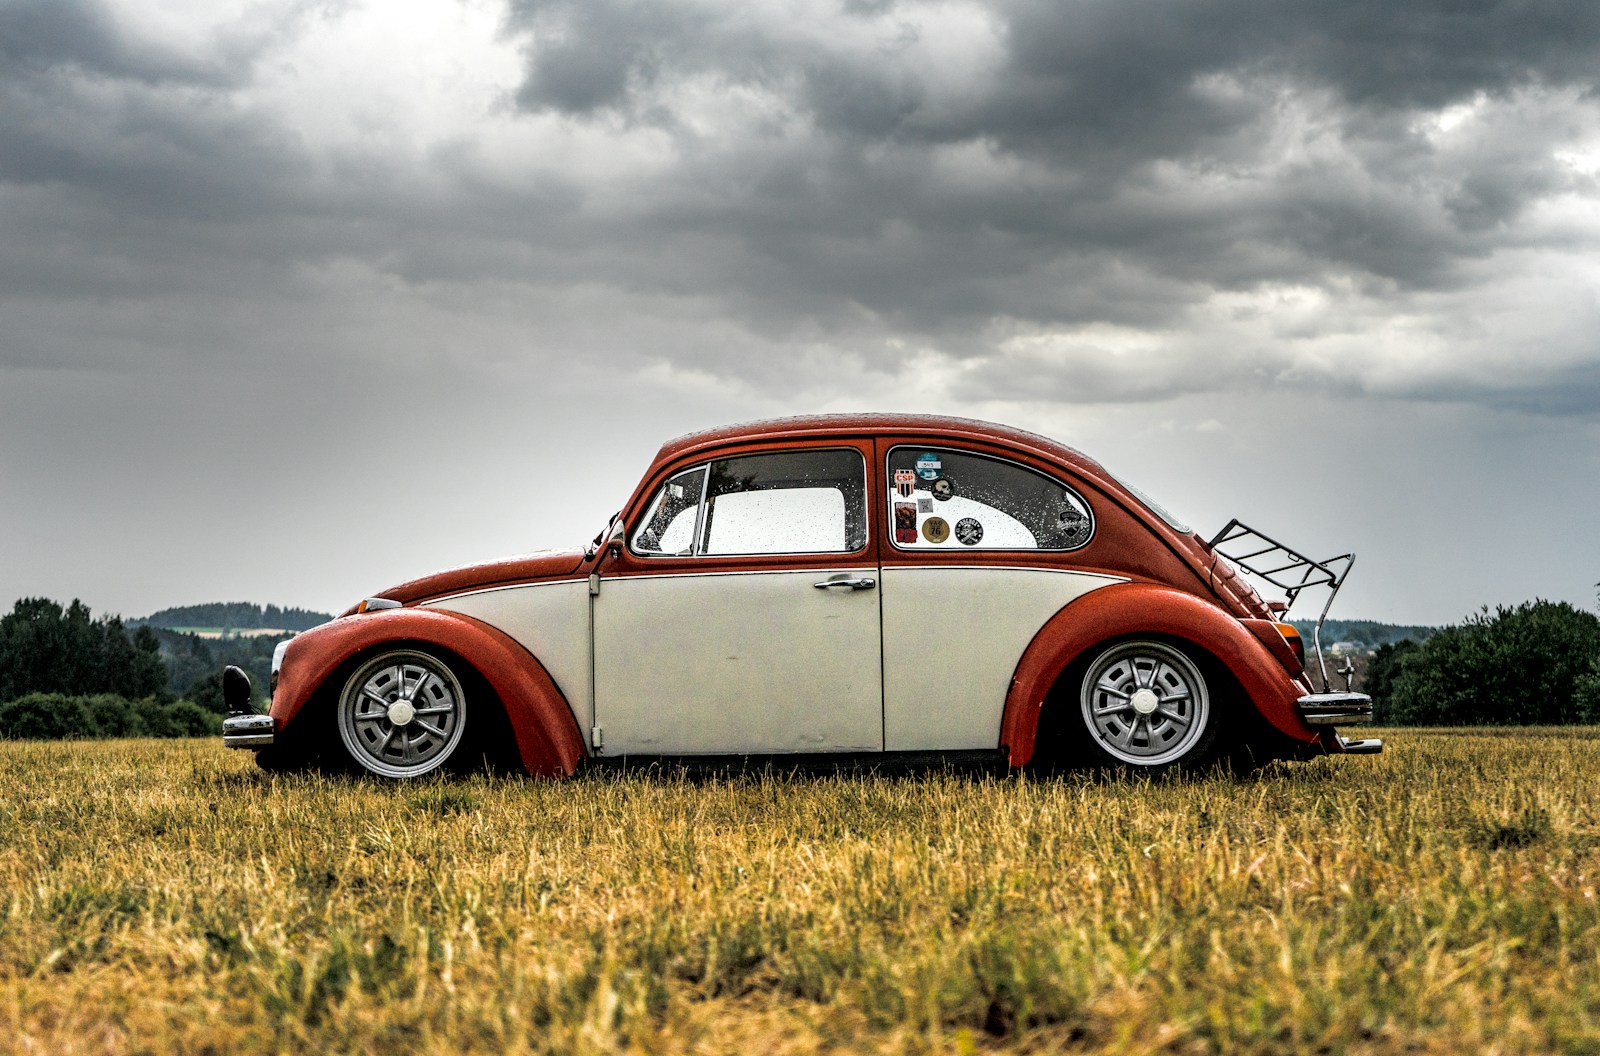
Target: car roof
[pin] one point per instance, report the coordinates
(822, 425)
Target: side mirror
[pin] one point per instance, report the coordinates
(619, 535)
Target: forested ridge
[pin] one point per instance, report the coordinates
(1368, 634)
(65, 672)
(235, 615)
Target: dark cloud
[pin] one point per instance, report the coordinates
(1139, 158)
(878, 179)
(93, 39)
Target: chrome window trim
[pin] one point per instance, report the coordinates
(694, 574)
(1010, 568)
(842, 567)
(699, 517)
(694, 537)
(888, 474)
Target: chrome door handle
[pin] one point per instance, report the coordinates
(864, 583)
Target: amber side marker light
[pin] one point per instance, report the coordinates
(1297, 645)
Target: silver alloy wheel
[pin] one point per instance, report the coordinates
(1145, 703)
(401, 714)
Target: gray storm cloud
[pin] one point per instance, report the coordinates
(870, 177)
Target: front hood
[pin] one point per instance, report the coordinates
(521, 569)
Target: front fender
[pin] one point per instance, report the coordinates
(547, 734)
(1142, 608)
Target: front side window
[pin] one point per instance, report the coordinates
(786, 502)
(941, 499)
(670, 525)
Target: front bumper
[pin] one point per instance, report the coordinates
(1364, 746)
(249, 731)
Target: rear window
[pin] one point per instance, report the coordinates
(944, 499)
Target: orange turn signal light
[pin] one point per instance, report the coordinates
(1297, 645)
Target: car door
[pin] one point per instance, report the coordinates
(977, 556)
(741, 616)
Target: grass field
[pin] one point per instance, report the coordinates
(161, 896)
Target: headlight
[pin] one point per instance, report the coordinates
(277, 662)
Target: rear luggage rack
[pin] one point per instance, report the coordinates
(1288, 570)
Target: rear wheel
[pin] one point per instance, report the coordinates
(1145, 704)
(402, 714)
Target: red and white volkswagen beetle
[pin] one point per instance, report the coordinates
(856, 586)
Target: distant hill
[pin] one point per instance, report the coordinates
(1368, 634)
(235, 616)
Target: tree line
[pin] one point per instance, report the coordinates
(1537, 663)
(67, 673)
(236, 615)
(1368, 634)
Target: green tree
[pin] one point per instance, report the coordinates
(150, 674)
(1516, 666)
(111, 716)
(1383, 671)
(45, 648)
(206, 693)
(44, 716)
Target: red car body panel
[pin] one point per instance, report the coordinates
(1145, 609)
(547, 734)
(505, 572)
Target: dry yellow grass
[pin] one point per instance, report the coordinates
(160, 897)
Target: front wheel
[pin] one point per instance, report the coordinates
(402, 714)
(1145, 704)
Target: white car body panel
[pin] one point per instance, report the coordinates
(551, 621)
(738, 663)
(952, 637)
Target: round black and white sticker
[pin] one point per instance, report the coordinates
(969, 532)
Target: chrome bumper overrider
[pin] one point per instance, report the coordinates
(248, 731)
(1335, 709)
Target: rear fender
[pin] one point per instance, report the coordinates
(1128, 609)
(547, 735)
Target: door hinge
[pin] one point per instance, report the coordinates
(594, 584)
(597, 737)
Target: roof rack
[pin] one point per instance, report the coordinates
(1290, 571)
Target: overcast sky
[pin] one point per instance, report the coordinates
(300, 298)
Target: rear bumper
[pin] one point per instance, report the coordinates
(1335, 709)
(1340, 709)
(249, 731)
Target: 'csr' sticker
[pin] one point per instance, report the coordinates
(905, 482)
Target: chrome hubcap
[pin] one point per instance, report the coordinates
(1145, 703)
(401, 714)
